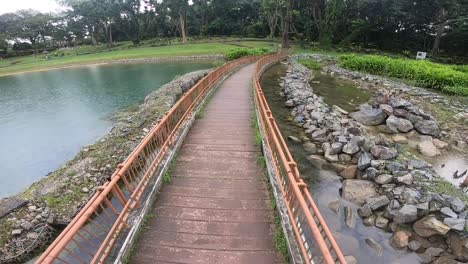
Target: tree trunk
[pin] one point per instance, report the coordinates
(440, 32)
(286, 25)
(182, 28)
(110, 35)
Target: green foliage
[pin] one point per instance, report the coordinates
(424, 73)
(242, 52)
(442, 186)
(311, 64)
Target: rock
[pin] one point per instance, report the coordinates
(350, 172)
(32, 208)
(428, 149)
(294, 139)
(328, 153)
(381, 222)
(446, 260)
(364, 161)
(418, 164)
(145, 130)
(334, 206)
(457, 205)
(384, 179)
(32, 235)
(371, 173)
(399, 103)
(351, 148)
(406, 214)
(400, 113)
(399, 239)
(388, 109)
(439, 143)
(459, 245)
(350, 259)
(399, 139)
(448, 212)
(406, 179)
(427, 127)
(383, 153)
(369, 117)
(430, 254)
(349, 219)
(345, 158)
(394, 166)
(414, 245)
(310, 147)
(319, 134)
(414, 118)
(16, 232)
(377, 202)
(429, 225)
(317, 161)
(357, 191)
(369, 221)
(85, 190)
(455, 223)
(364, 211)
(374, 245)
(354, 131)
(399, 124)
(336, 148)
(26, 226)
(289, 103)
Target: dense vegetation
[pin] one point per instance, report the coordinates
(242, 52)
(450, 79)
(399, 26)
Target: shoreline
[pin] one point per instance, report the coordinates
(122, 61)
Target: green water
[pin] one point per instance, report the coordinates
(344, 94)
(46, 117)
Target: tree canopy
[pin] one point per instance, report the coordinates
(437, 26)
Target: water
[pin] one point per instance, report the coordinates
(342, 93)
(325, 187)
(46, 117)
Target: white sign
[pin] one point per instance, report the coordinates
(421, 55)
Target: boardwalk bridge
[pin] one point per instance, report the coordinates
(217, 205)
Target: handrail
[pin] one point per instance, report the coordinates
(91, 235)
(315, 241)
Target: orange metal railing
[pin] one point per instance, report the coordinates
(316, 242)
(91, 235)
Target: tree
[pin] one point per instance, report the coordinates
(272, 12)
(178, 12)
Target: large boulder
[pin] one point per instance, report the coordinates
(429, 226)
(406, 214)
(383, 153)
(427, 127)
(459, 245)
(358, 191)
(369, 117)
(428, 149)
(399, 124)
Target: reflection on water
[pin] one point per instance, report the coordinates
(325, 185)
(448, 164)
(46, 117)
(344, 94)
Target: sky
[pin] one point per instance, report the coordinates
(7, 6)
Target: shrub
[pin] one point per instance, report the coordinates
(242, 52)
(311, 64)
(447, 78)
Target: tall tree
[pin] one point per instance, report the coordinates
(178, 12)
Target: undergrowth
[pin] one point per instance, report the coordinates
(449, 79)
(311, 64)
(242, 52)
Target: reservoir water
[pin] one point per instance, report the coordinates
(46, 117)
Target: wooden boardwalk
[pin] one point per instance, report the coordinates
(216, 208)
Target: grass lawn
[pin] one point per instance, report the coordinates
(122, 51)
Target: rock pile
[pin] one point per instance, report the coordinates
(391, 190)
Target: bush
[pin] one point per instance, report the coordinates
(311, 64)
(426, 74)
(242, 52)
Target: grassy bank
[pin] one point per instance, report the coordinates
(447, 78)
(122, 51)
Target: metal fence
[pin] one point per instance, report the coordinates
(315, 241)
(91, 235)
